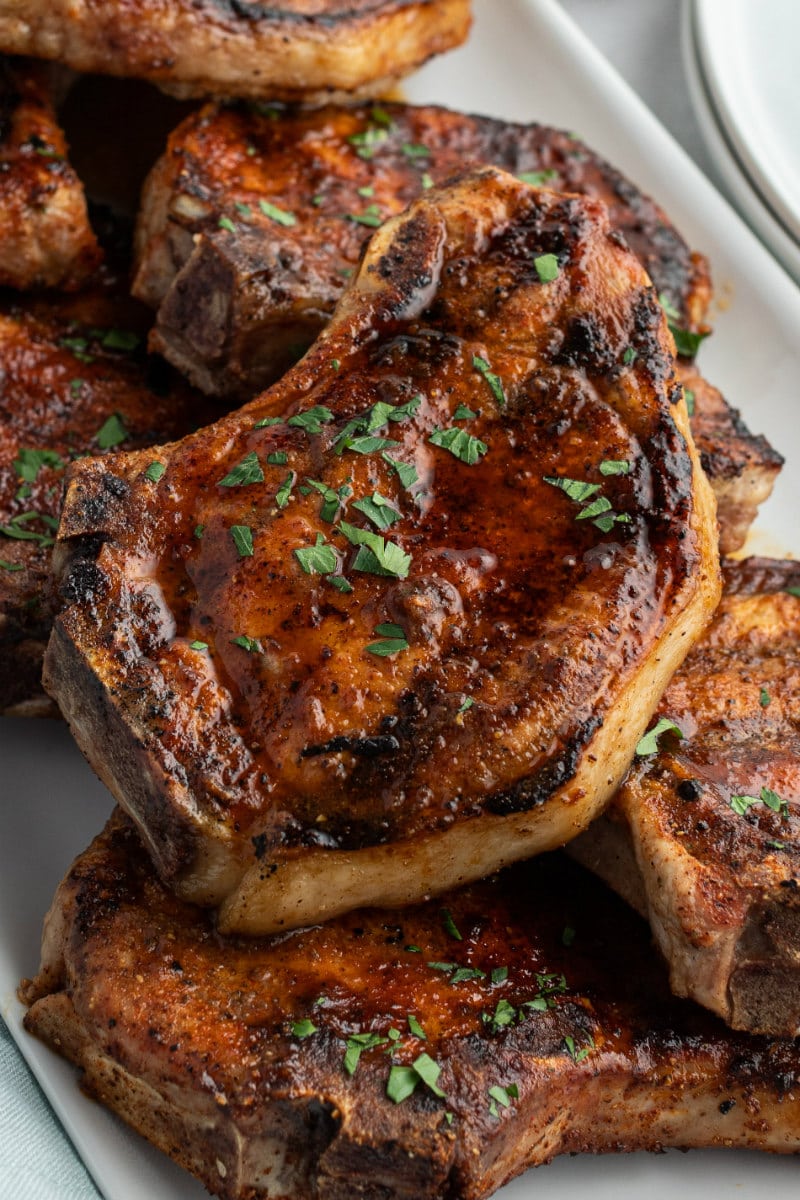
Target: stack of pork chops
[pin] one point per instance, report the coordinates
(399, 568)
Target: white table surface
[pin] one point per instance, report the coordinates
(642, 39)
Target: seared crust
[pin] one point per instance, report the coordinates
(722, 886)
(304, 770)
(241, 295)
(67, 367)
(305, 50)
(45, 236)
(199, 1042)
(741, 467)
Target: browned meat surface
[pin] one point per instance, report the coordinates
(704, 836)
(282, 49)
(370, 647)
(525, 1016)
(73, 383)
(253, 221)
(741, 467)
(45, 236)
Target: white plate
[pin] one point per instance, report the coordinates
(748, 52)
(740, 185)
(526, 61)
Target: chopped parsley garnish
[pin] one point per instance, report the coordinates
(265, 422)
(285, 490)
(243, 540)
(366, 192)
(499, 975)
(277, 458)
(549, 987)
(630, 356)
(742, 804)
(649, 743)
(536, 178)
(312, 419)
(199, 530)
(403, 1081)
(415, 150)
(687, 342)
(578, 1055)
(615, 466)
(466, 704)
(415, 1027)
(319, 559)
(547, 267)
(75, 386)
(689, 394)
(111, 432)
(119, 339)
(597, 510)
(251, 645)
(764, 698)
(9, 566)
(381, 117)
(449, 924)
(371, 216)
(244, 210)
(462, 445)
(332, 500)
(280, 215)
(775, 845)
(368, 444)
(378, 510)
(304, 1028)
(29, 463)
(456, 973)
(247, 471)
(393, 640)
(374, 419)
(406, 472)
(340, 583)
(78, 346)
(494, 381)
(227, 223)
(503, 1015)
(426, 181)
(198, 645)
(463, 413)
(375, 555)
(155, 471)
(355, 1047)
(793, 591)
(577, 489)
(367, 142)
(502, 1096)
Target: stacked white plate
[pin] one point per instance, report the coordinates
(741, 59)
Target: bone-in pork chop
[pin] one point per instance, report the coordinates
(403, 618)
(252, 221)
(306, 50)
(408, 1056)
(75, 382)
(45, 236)
(704, 836)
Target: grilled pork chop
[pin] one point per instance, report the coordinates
(436, 1052)
(45, 236)
(704, 836)
(73, 384)
(403, 618)
(282, 49)
(252, 222)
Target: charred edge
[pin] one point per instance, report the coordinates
(535, 789)
(258, 13)
(752, 576)
(84, 581)
(361, 747)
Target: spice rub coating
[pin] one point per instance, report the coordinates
(45, 236)
(303, 50)
(435, 1052)
(357, 642)
(704, 836)
(252, 221)
(76, 381)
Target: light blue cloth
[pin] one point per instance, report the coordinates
(38, 1162)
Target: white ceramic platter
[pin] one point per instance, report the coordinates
(525, 61)
(748, 190)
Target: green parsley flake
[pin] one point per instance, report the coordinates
(285, 490)
(503, 1015)
(78, 347)
(466, 704)
(502, 1096)
(280, 215)
(689, 394)
(547, 267)
(29, 463)
(9, 566)
(319, 559)
(449, 924)
(339, 582)
(199, 530)
(494, 381)
(764, 698)
(366, 192)
(198, 645)
(251, 645)
(402, 1083)
(368, 444)
(332, 500)
(155, 471)
(456, 973)
(312, 420)
(577, 489)
(368, 141)
(406, 472)
(375, 555)
(244, 210)
(277, 458)
(247, 471)
(578, 1055)
(243, 540)
(415, 1028)
(371, 217)
(615, 466)
(793, 591)
(630, 356)
(304, 1028)
(415, 150)
(394, 640)
(355, 1047)
(111, 432)
(687, 343)
(742, 804)
(462, 445)
(75, 386)
(463, 413)
(426, 181)
(499, 975)
(378, 510)
(537, 178)
(649, 743)
(120, 339)
(227, 223)
(266, 422)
